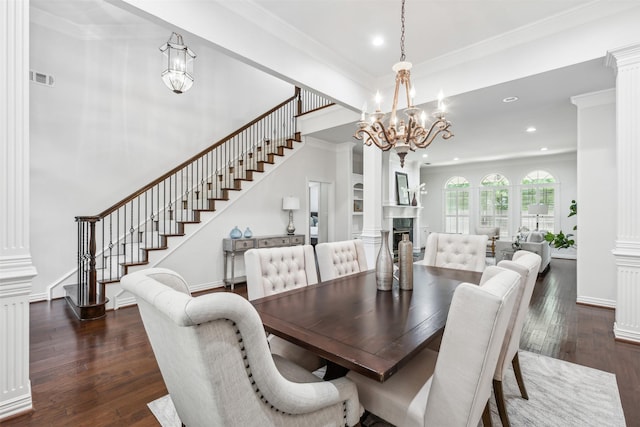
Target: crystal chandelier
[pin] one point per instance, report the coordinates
(407, 134)
(178, 74)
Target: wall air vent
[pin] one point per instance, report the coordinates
(41, 78)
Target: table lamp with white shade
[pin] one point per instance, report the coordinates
(290, 204)
(538, 209)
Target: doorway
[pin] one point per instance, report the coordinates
(319, 211)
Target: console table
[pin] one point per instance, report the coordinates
(239, 246)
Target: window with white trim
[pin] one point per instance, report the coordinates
(456, 205)
(494, 202)
(538, 188)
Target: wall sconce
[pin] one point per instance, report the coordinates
(178, 76)
(290, 204)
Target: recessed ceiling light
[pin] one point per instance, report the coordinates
(531, 129)
(377, 41)
(510, 99)
(544, 149)
(455, 159)
(424, 156)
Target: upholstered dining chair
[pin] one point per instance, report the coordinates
(452, 387)
(461, 251)
(336, 259)
(527, 264)
(274, 270)
(214, 359)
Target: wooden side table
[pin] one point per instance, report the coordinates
(233, 247)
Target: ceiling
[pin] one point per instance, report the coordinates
(485, 128)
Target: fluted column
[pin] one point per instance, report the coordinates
(16, 268)
(372, 173)
(626, 62)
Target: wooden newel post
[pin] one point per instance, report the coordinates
(299, 101)
(87, 298)
(93, 286)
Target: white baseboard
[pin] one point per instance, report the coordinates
(564, 256)
(129, 300)
(42, 296)
(16, 405)
(598, 302)
(625, 334)
(206, 286)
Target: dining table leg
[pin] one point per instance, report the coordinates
(334, 371)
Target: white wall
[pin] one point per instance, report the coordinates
(562, 167)
(200, 260)
(597, 201)
(110, 126)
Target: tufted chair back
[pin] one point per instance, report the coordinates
(460, 251)
(274, 270)
(336, 259)
(214, 359)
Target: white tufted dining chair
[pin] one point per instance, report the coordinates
(337, 259)
(451, 387)
(214, 360)
(274, 270)
(527, 264)
(460, 251)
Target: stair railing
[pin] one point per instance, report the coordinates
(121, 236)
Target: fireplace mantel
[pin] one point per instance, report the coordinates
(399, 211)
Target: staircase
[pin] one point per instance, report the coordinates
(122, 236)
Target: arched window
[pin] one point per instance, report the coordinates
(494, 202)
(456, 210)
(538, 201)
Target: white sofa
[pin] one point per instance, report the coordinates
(533, 242)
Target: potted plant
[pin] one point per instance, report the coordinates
(561, 240)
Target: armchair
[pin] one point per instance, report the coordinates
(214, 359)
(532, 242)
(493, 234)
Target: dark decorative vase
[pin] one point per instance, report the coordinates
(414, 202)
(384, 264)
(405, 263)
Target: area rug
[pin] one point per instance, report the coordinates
(560, 394)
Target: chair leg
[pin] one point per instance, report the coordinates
(486, 415)
(502, 409)
(516, 370)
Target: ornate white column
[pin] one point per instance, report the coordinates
(626, 62)
(16, 269)
(372, 173)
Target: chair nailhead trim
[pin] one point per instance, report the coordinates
(247, 366)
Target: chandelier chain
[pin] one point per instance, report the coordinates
(402, 56)
(408, 133)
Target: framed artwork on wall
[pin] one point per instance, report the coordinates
(402, 188)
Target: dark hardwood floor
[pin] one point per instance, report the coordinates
(103, 372)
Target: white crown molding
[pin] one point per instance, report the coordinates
(139, 30)
(594, 99)
(560, 22)
(300, 41)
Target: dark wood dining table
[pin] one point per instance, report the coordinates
(353, 325)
